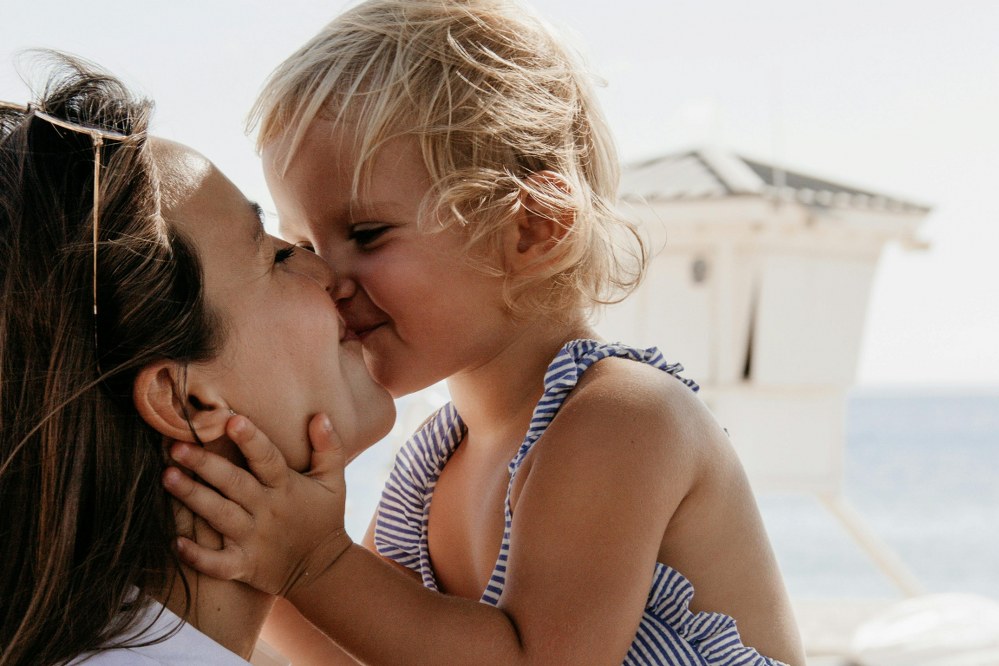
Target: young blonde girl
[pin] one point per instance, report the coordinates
(448, 158)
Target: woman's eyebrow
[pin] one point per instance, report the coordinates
(260, 234)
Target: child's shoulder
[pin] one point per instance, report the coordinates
(621, 388)
(642, 415)
(626, 420)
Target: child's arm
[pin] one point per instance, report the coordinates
(589, 520)
(373, 610)
(302, 642)
(299, 640)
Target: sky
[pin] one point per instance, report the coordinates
(896, 96)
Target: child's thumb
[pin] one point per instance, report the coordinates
(328, 457)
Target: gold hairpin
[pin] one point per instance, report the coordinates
(97, 137)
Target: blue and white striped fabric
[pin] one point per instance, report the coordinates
(669, 632)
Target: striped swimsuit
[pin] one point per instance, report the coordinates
(669, 633)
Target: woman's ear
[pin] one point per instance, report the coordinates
(179, 403)
(540, 221)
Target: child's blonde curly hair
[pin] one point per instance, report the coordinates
(493, 98)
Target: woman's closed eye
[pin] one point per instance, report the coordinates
(283, 254)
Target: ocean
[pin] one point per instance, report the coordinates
(922, 469)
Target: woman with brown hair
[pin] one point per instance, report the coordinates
(139, 293)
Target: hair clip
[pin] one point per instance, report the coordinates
(23, 108)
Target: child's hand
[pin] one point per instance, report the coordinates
(279, 528)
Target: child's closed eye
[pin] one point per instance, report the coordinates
(366, 234)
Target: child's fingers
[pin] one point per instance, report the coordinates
(221, 564)
(183, 518)
(321, 434)
(264, 459)
(226, 517)
(328, 455)
(236, 484)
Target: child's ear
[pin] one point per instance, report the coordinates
(540, 222)
(174, 398)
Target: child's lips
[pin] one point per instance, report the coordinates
(358, 332)
(362, 333)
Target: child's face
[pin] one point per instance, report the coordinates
(284, 357)
(421, 312)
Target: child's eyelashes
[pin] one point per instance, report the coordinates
(367, 234)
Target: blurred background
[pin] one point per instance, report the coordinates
(899, 98)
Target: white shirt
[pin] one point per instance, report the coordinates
(186, 646)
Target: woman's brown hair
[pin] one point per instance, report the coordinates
(85, 526)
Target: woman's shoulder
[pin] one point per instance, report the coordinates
(120, 657)
(162, 639)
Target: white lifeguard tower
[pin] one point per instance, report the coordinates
(759, 287)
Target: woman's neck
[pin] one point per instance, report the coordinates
(228, 612)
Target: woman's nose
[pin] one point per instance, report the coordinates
(319, 270)
(339, 258)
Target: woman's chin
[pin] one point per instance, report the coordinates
(377, 430)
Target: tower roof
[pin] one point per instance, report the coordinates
(715, 174)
